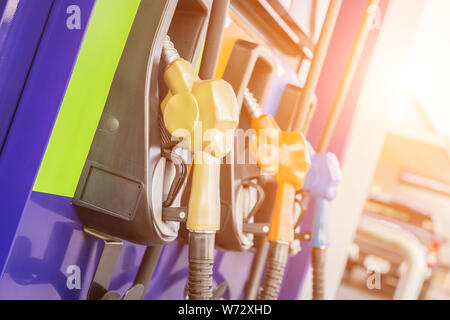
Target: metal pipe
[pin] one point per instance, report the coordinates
(426, 184)
(310, 115)
(312, 23)
(147, 267)
(256, 269)
(320, 53)
(213, 38)
(411, 282)
(349, 73)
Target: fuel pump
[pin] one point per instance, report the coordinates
(205, 113)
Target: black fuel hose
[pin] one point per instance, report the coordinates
(201, 262)
(318, 269)
(276, 265)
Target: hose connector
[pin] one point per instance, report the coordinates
(252, 105)
(169, 52)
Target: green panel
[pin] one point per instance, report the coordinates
(86, 95)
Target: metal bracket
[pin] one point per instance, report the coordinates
(134, 293)
(303, 236)
(260, 229)
(174, 214)
(106, 265)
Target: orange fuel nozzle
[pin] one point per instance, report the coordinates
(285, 155)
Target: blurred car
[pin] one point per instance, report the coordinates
(367, 253)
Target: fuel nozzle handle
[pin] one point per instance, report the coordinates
(322, 181)
(290, 172)
(205, 113)
(285, 155)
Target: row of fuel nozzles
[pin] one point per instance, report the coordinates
(205, 113)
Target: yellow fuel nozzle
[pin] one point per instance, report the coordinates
(207, 113)
(180, 107)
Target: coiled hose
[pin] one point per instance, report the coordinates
(318, 266)
(201, 262)
(276, 265)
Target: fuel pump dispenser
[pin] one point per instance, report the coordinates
(134, 181)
